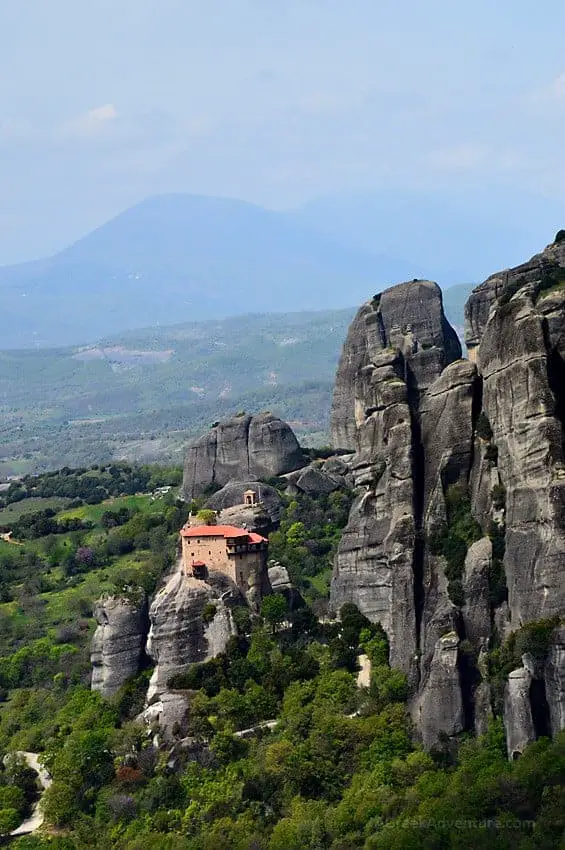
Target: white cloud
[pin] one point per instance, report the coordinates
(92, 122)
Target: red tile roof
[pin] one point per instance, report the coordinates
(225, 531)
(214, 531)
(198, 564)
(256, 538)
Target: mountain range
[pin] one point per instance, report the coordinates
(178, 258)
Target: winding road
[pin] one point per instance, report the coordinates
(35, 820)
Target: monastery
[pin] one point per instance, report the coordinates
(236, 552)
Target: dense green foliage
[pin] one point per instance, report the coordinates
(307, 539)
(321, 765)
(338, 771)
(70, 556)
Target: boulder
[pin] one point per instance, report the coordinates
(242, 448)
(314, 481)
(118, 643)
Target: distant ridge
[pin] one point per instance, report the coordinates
(180, 257)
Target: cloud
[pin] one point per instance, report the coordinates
(92, 122)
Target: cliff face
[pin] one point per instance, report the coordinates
(238, 449)
(397, 346)
(118, 643)
(459, 521)
(179, 633)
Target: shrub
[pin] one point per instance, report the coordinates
(453, 539)
(206, 516)
(559, 237)
(499, 496)
(484, 431)
(209, 612)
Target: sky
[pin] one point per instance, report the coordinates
(105, 102)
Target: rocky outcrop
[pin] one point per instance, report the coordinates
(190, 622)
(477, 608)
(518, 721)
(438, 710)
(239, 449)
(319, 479)
(118, 644)
(398, 345)
(408, 317)
(232, 496)
(518, 347)
(445, 450)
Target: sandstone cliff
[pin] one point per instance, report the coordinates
(118, 643)
(398, 345)
(457, 532)
(241, 448)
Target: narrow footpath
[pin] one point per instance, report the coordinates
(35, 820)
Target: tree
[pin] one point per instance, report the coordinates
(206, 516)
(273, 610)
(9, 820)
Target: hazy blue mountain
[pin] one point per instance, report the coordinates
(457, 237)
(176, 258)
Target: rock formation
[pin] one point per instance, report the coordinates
(320, 477)
(555, 680)
(397, 346)
(180, 635)
(118, 643)
(458, 525)
(231, 496)
(518, 720)
(438, 710)
(238, 449)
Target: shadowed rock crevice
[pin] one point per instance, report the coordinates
(539, 709)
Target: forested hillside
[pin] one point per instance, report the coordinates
(335, 768)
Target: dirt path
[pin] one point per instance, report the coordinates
(364, 675)
(35, 820)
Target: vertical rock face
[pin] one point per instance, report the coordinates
(446, 415)
(438, 709)
(425, 425)
(118, 643)
(476, 610)
(398, 345)
(555, 681)
(180, 635)
(409, 318)
(241, 448)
